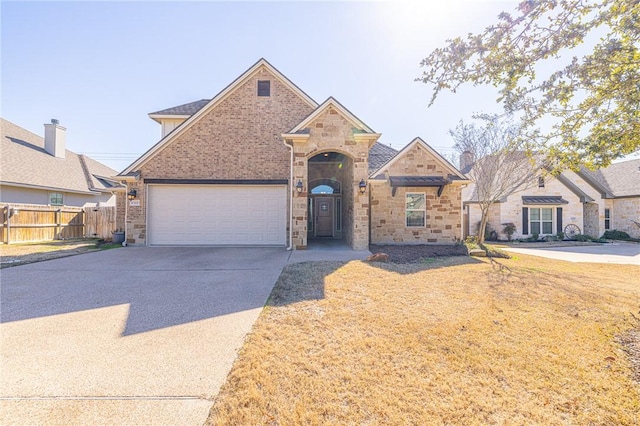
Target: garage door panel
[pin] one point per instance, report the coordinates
(217, 215)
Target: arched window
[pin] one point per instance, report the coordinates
(325, 186)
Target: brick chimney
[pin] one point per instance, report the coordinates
(55, 138)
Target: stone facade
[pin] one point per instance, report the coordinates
(388, 212)
(510, 210)
(240, 138)
(624, 211)
(330, 131)
(388, 216)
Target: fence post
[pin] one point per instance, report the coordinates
(8, 227)
(58, 219)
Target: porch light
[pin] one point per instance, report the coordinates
(131, 195)
(299, 186)
(363, 186)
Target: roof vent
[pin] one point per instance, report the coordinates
(55, 121)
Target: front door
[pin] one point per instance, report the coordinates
(324, 217)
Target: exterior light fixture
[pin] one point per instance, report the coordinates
(299, 186)
(131, 195)
(363, 186)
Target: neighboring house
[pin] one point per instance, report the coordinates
(41, 171)
(619, 186)
(581, 202)
(262, 163)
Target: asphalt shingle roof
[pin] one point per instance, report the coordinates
(185, 109)
(379, 154)
(620, 179)
(25, 161)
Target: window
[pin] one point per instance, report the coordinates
(55, 198)
(264, 88)
(416, 208)
(541, 220)
(540, 181)
(338, 214)
(322, 189)
(607, 218)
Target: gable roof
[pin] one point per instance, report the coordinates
(331, 103)
(184, 110)
(618, 180)
(25, 163)
(223, 94)
(457, 174)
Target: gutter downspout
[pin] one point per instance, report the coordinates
(290, 147)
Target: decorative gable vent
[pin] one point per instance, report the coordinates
(264, 88)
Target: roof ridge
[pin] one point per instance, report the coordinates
(85, 171)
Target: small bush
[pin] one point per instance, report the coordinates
(614, 234)
(509, 229)
(581, 237)
(551, 238)
(560, 236)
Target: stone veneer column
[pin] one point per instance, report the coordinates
(300, 173)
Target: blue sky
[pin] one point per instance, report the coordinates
(101, 67)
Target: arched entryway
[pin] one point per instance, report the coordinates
(330, 199)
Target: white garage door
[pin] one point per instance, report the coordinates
(217, 215)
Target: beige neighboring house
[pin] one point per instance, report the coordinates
(41, 171)
(262, 163)
(584, 202)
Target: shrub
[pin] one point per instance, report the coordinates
(560, 236)
(551, 238)
(581, 237)
(614, 234)
(509, 229)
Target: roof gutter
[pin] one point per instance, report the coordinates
(48, 188)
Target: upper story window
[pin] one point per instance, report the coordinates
(264, 88)
(55, 198)
(540, 181)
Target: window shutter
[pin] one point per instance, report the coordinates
(525, 221)
(559, 219)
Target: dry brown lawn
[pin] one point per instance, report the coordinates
(448, 341)
(22, 253)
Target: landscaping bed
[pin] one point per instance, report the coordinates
(415, 253)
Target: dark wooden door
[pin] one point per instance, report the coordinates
(324, 217)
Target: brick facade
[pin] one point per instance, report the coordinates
(240, 138)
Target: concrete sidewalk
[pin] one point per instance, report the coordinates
(128, 336)
(615, 253)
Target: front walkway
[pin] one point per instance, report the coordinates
(327, 250)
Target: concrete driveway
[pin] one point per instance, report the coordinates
(127, 336)
(617, 253)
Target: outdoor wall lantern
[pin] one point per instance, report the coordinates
(363, 186)
(131, 195)
(299, 186)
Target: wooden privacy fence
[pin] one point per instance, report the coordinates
(24, 223)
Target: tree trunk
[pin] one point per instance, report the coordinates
(483, 224)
